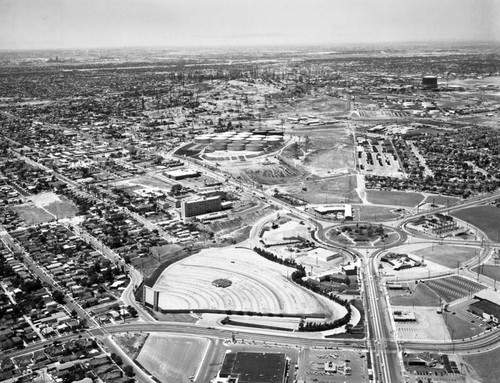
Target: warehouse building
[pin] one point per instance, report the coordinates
(488, 306)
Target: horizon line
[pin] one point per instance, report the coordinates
(258, 45)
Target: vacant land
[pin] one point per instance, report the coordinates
(485, 218)
(32, 214)
(131, 343)
(375, 213)
(446, 255)
(171, 358)
(441, 200)
(338, 189)
(485, 365)
(59, 206)
(62, 208)
(382, 197)
(491, 271)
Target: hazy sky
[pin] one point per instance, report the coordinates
(115, 23)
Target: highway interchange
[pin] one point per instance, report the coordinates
(381, 340)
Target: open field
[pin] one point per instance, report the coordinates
(62, 209)
(331, 148)
(422, 296)
(258, 286)
(382, 197)
(453, 288)
(171, 358)
(274, 174)
(486, 368)
(485, 218)
(441, 200)
(338, 189)
(32, 214)
(130, 343)
(145, 182)
(55, 204)
(446, 255)
(491, 271)
(375, 213)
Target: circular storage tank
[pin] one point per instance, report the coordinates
(239, 141)
(235, 147)
(254, 147)
(202, 140)
(218, 146)
(219, 139)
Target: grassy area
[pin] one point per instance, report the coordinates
(375, 213)
(340, 189)
(63, 208)
(485, 365)
(33, 215)
(460, 328)
(131, 343)
(485, 218)
(491, 271)
(441, 200)
(422, 296)
(382, 197)
(446, 255)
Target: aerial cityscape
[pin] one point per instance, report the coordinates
(291, 212)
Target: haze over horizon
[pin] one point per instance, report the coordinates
(61, 24)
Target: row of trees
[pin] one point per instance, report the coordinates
(274, 258)
(298, 277)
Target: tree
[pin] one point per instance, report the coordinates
(58, 297)
(116, 358)
(133, 312)
(128, 370)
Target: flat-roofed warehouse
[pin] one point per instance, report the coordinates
(252, 367)
(180, 174)
(345, 209)
(488, 306)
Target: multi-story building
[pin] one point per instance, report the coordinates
(200, 206)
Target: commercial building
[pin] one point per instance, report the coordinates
(200, 206)
(252, 367)
(488, 306)
(180, 174)
(344, 210)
